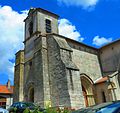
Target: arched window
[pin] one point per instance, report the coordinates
(31, 28)
(87, 89)
(48, 26)
(31, 95)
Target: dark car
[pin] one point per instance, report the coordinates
(19, 107)
(108, 107)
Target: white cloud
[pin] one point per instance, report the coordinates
(11, 37)
(99, 41)
(67, 29)
(83, 3)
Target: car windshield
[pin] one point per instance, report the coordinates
(28, 104)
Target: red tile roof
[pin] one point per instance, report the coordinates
(4, 89)
(101, 80)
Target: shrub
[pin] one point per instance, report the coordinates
(48, 110)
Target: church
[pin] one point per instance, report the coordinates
(56, 70)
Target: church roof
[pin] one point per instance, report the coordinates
(32, 10)
(77, 42)
(109, 44)
(43, 10)
(4, 89)
(101, 80)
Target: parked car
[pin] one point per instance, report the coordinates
(108, 107)
(19, 107)
(2, 110)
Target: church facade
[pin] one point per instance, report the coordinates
(56, 70)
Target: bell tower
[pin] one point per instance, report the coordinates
(38, 23)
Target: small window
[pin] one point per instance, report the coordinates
(30, 63)
(70, 56)
(48, 26)
(71, 80)
(31, 28)
(119, 78)
(103, 96)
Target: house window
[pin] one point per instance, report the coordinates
(31, 28)
(48, 26)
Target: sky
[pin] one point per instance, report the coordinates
(93, 22)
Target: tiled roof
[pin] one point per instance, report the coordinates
(4, 89)
(101, 80)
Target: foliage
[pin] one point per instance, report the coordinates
(48, 110)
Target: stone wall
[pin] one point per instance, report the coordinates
(110, 58)
(110, 61)
(41, 17)
(100, 89)
(115, 88)
(18, 77)
(36, 75)
(86, 59)
(64, 75)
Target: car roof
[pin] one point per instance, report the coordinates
(3, 109)
(102, 105)
(23, 102)
(27, 103)
(94, 108)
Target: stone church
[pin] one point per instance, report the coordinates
(56, 70)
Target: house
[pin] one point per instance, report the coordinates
(6, 95)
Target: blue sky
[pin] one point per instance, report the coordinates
(94, 22)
